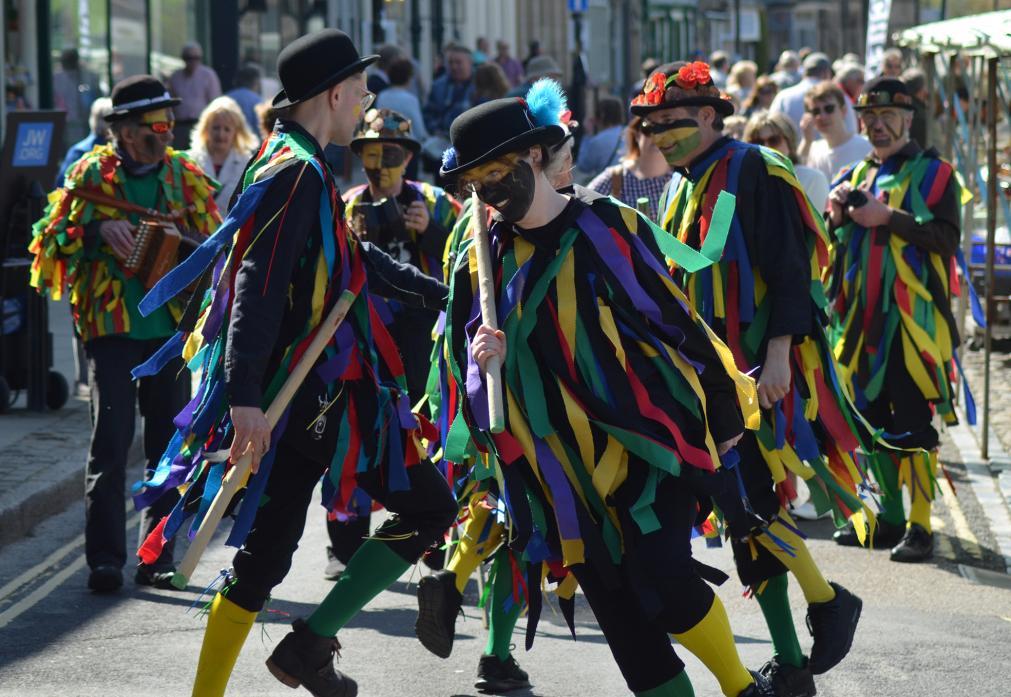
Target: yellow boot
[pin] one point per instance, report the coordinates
(227, 628)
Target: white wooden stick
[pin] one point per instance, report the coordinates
(486, 287)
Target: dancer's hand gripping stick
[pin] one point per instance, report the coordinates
(239, 473)
(489, 317)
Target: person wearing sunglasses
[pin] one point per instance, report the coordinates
(897, 216)
(281, 260)
(601, 359)
(83, 240)
(776, 131)
(825, 109)
(764, 297)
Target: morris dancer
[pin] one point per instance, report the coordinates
(765, 299)
(599, 471)
(292, 256)
(897, 217)
(83, 240)
(413, 229)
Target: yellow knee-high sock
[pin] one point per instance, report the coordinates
(921, 488)
(227, 628)
(469, 552)
(816, 589)
(712, 642)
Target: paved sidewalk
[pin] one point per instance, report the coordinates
(42, 454)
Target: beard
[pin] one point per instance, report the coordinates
(513, 195)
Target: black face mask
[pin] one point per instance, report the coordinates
(513, 195)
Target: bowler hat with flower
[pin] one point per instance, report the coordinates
(502, 126)
(385, 126)
(679, 85)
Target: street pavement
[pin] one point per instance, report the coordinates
(926, 629)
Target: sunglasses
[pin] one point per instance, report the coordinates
(771, 142)
(818, 111)
(160, 127)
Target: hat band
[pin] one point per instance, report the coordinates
(142, 102)
(883, 98)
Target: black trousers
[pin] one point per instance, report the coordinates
(761, 492)
(347, 536)
(114, 398)
(901, 409)
(660, 591)
(411, 331)
(420, 515)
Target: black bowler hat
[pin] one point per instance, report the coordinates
(315, 62)
(138, 94)
(493, 129)
(885, 92)
(385, 126)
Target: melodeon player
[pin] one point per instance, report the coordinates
(90, 241)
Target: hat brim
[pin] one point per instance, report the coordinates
(723, 107)
(119, 115)
(907, 107)
(409, 143)
(281, 100)
(542, 135)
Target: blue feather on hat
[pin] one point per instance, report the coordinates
(546, 101)
(449, 159)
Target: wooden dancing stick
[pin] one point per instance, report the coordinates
(239, 473)
(486, 287)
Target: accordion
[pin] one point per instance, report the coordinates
(155, 251)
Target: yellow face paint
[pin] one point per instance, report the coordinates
(384, 164)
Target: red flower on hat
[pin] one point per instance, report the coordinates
(692, 75)
(652, 91)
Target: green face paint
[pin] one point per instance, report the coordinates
(676, 140)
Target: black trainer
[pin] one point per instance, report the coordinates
(105, 578)
(438, 605)
(155, 578)
(832, 625)
(789, 681)
(762, 687)
(886, 535)
(916, 545)
(304, 658)
(496, 675)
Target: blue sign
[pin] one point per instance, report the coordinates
(578, 5)
(31, 146)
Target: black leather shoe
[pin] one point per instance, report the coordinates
(304, 658)
(832, 625)
(105, 578)
(916, 545)
(155, 578)
(438, 605)
(789, 681)
(762, 687)
(496, 675)
(886, 535)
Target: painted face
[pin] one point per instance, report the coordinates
(506, 184)
(384, 164)
(677, 139)
(153, 136)
(884, 126)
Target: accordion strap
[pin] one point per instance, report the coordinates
(103, 200)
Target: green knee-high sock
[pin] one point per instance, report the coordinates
(886, 473)
(775, 604)
(372, 569)
(501, 621)
(678, 686)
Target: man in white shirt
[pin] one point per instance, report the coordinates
(817, 68)
(826, 107)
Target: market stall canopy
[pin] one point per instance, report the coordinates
(986, 34)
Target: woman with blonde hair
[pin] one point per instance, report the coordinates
(741, 80)
(776, 131)
(641, 174)
(221, 144)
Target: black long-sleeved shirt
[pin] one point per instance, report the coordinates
(774, 234)
(274, 284)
